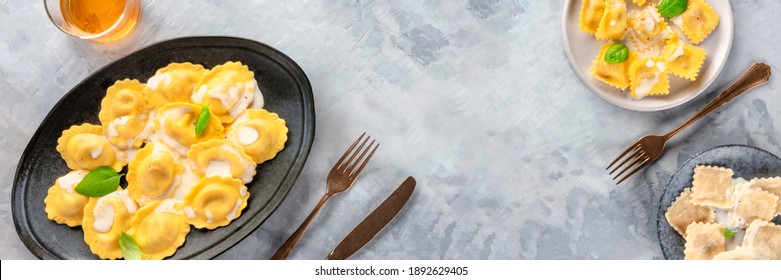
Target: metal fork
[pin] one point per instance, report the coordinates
(340, 179)
(650, 147)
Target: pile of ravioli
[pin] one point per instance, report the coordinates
(655, 48)
(175, 178)
(716, 206)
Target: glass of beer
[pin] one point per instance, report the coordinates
(101, 21)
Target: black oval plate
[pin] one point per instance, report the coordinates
(286, 91)
(746, 161)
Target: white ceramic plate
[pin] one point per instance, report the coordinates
(582, 48)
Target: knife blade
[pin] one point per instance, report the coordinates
(374, 222)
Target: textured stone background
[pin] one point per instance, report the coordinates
(475, 99)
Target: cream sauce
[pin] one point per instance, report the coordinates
(167, 206)
(234, 99)
(189, 179)
(70, 180)
(155, 80)
(648, 25)
(661, 66)
(257, 101)
(249, 165)
(130, 154)
(246, 135)
(189, 212)
(104, 217)
(678, 51)
(104, 210)
(722, 217)
(247, 95)
(112, 126)
(147, 131)
(751, 237)
(677, 21)
(232, 214)
(218, 168)
(198, 95)
(645, 86)
(95, 153)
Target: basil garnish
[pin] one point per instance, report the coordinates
(203, 120)
(129, 247)
(728, 233)
(671, 8)
(616, 53)
(99, 182)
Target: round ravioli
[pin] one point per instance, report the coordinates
(174, 83)
(175, 126)
(153, 174)
(83, 147)
(262, 134)
(218, 157)
(215, 202)
(105, 218)
(159, 228)
(227, 89)
(125, 115)
(63, 204)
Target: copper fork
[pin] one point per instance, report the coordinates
(650, 147)
(340, 178)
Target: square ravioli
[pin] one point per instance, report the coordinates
(751, 204)
(739, 253)
(648, 77)
(591, 12)
(704, 241)
(771, 185)
(712, 186)
(614, 74)
(682, 213)
(765, 239)
(683, 60)
(646, 28)
(613, 22)
(698, 21)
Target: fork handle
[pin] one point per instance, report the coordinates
(291, 242)
(756, 75)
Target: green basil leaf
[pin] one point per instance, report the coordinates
(616, 53)
(728, 233)
(129, 247)
(671, 8)
(203, 120)
(99, 182)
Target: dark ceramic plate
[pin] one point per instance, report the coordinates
(286, 91)
(746, 161)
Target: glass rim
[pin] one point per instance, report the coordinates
(88, 36)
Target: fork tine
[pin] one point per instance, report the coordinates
(621, 156)
(641, 166)
(339, 163)
(357, 172)
(349, 169)
(640, 157)
(638, 151)
(351, 161)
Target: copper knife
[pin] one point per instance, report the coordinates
(374, 222)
